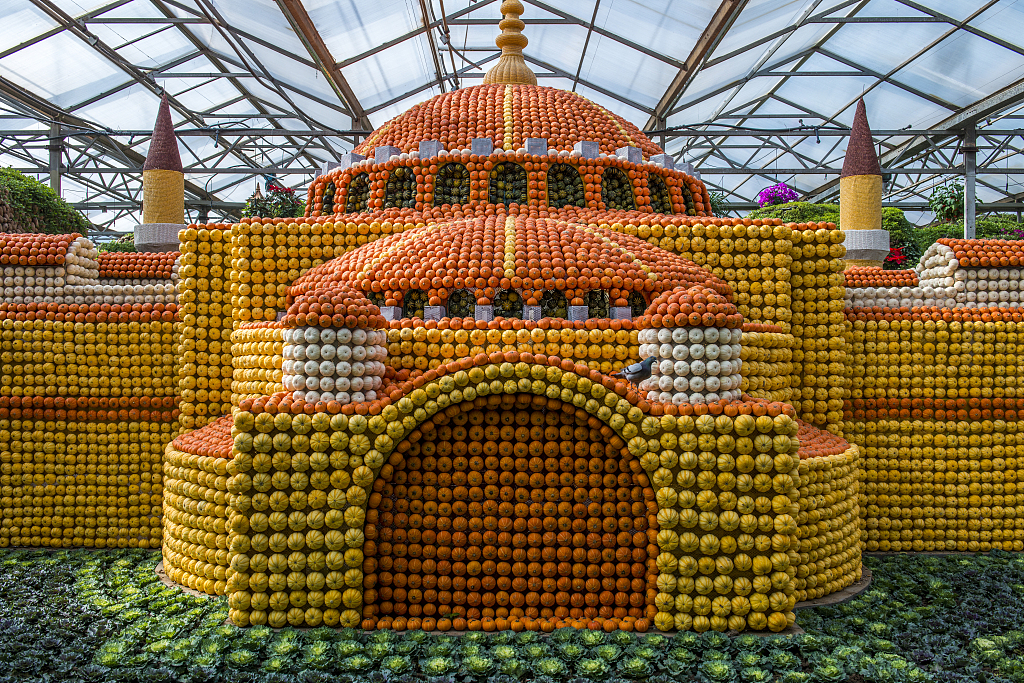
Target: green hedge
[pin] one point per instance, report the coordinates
(36, 207)
(121, 244)
(986, 227)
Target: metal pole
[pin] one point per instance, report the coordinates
(970, 170)
(56, 150)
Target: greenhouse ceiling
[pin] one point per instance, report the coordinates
(750, 91)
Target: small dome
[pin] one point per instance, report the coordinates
(697, 305)
(509, 114)
(323, 302)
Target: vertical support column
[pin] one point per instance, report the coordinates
(56, 148)
(970, 171)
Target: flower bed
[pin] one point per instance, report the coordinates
(107, 617)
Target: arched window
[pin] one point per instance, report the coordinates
(508, 304)
(358, 194)
(617, 190)
(661, 200)
(554, 305)
(461, 304)
(413, 302)
(400, 189)
(597, 303)
(637, 304)
(328, 206)
(451, 185)
(565, 186)
(691, 209)
(507, 184)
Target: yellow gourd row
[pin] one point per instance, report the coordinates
(767, 365)
(204, 301)
(257, 363)
(195, 548)
(81, 483)
(48, 358)
(820, 373)
(937, 359)
(941, 486)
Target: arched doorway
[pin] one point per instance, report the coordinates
(509, 506)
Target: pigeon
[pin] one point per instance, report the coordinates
(637, 372)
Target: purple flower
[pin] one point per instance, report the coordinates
(776, 194)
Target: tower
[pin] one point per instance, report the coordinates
(163, 188)
(860, 197)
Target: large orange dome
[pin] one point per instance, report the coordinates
(509, 114)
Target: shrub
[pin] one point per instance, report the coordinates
(35, 207)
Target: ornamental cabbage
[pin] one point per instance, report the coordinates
(478, 665)
(551, 666)
(635, 667)
(396, 665)
(592, 668)
(438, 666)
(717, 670)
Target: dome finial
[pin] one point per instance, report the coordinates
(511, 68)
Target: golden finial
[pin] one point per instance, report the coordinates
(511, 68)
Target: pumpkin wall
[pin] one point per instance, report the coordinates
(935, 409)
(86, 393)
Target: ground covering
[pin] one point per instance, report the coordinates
(104, 616)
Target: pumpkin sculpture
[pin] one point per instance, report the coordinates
(425, 433)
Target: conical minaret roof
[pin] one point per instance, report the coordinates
(861, 158)
(163, 147)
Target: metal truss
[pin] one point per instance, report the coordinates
(277, 138)
(728, 143)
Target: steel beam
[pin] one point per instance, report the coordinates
(300, 22)
(56, 151)
(716, 29)
(970, 151)
(425, 14)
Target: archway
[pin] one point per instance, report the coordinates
(328, 206)
(507, 184)
(565, 186)
(400, 189)
(508, 506)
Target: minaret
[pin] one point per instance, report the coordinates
(163, 188)
(511, 68)
(860, 197)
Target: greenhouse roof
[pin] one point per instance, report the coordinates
(749, 91)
